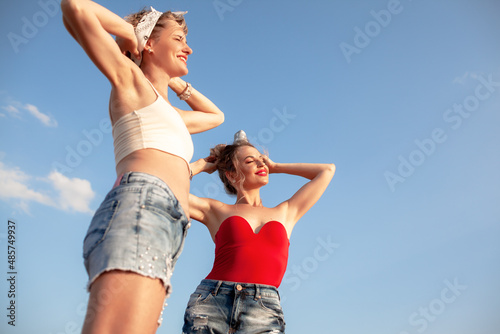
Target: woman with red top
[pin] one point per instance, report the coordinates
(251, 241)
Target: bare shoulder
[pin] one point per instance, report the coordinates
(282, 211)
(205, 210)
(208, 211)
(218, 210)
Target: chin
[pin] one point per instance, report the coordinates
(184, 70)
(178, 73)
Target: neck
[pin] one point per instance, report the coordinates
(250, 197)
(158, 77)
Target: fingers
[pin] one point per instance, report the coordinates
(137, 54)
(211, 158)
(210, 167)
(128, 48)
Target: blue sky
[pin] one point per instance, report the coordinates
(403, 96)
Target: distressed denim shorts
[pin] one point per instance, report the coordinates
(220, 307)
(140, 227)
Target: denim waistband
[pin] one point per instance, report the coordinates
(226, 287)
(140, 177)
(143, 179)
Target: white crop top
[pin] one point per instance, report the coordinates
(157, 126)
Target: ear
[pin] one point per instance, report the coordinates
(230, 176)
(148, 45)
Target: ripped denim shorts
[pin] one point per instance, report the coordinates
(221, 307)
(139, 227)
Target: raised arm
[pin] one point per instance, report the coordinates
(319, 175)
(92, 25)
(205, 210)
(205, 114)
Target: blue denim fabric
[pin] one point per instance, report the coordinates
(220, 307)
(139, 227)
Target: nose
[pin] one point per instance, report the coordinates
(187, 49)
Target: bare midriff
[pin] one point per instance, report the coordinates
(173, 170)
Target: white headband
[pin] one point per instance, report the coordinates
(145, 28)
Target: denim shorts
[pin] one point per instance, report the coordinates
(220, 307)
(140, 227)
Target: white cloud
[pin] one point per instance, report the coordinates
(12, 111)
(67, 194)
(13, 184)
(74, 194)
(23, 206)
(45, 119)
(13, 108)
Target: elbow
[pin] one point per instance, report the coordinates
(214, 121)
(66, 6)
(69, 7)
(331, 169)
(220, 118)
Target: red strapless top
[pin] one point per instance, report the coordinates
(247, 257)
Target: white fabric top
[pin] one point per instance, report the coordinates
(157, 126)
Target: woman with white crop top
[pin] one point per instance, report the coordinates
(138, 232)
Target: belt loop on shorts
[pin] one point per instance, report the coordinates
(124, 178)
(128, 175)
(257, 292)
(217, 287)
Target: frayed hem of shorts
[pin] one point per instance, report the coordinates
(166, 285)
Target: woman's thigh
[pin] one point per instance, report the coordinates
(124, 302)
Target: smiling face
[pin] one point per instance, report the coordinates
(170, 49)
(251, 164)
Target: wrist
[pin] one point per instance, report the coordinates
(177, 85)
(198, 166)
(186, 92)
(274, 168)
(130, 31)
